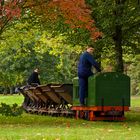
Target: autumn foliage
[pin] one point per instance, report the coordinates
(74, 13)
(78, 15)
(9, 10)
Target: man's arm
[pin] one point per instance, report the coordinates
(93, 62)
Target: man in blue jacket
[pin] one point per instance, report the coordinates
(84, 71)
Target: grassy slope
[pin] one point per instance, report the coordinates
(33, 127)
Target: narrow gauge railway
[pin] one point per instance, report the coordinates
(108, 98)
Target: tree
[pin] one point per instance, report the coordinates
(73, 19)
(26, 45)
(17, 54)
(9, 10)
(134, 73)
(119, 21)
(62, 15)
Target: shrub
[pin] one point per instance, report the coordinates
(8, 110)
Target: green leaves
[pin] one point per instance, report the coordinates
(7, 110)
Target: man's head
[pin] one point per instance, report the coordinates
(90, 49)
(36, 70)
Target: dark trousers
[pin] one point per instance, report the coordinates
(83, 89)
(83, 85)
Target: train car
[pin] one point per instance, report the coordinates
(50, 99)
(108, 98)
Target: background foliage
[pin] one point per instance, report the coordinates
(52, 34)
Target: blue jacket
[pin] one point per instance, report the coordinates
(85, 64)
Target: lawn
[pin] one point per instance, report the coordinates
(11, 99)
(35, 127)
(135, 101)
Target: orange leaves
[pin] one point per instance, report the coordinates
(95, 35)
(74, 13)
(77, 14)
(10, 9)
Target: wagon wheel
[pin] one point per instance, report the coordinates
(87, 116)
(82, 114)
(77, 114)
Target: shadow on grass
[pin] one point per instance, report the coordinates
(133, 115)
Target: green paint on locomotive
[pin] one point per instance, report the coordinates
(76, 92)
(105, 89)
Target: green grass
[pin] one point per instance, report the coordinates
(135, 101)
(11, 99)
(35, 127)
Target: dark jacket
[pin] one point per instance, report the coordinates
(85, 64)
(33, 78)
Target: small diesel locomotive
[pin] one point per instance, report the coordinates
(108, 98)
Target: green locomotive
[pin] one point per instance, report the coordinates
(108, 96)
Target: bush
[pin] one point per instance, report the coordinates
(8, 110)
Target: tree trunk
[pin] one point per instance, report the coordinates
(118, 49)
(11, 90)
(118, 35)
